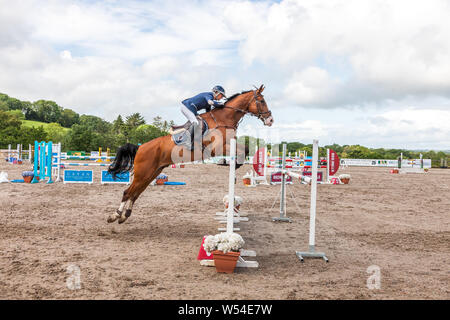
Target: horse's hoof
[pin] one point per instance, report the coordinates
(122, 219)
(113, 217)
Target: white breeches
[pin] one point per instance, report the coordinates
(189, 115)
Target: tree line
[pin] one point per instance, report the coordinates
(355, 151)
(86, 132)
(74, 131)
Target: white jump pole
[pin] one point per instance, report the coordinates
(231, 181)
(312, 219)
(230, 212)
(56, 154)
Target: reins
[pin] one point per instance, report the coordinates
(245, 111)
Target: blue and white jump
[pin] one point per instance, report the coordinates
(47, 164)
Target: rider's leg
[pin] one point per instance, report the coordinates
(190, 113)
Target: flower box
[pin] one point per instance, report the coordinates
(225, 250)
(225, 262)
(345, 178)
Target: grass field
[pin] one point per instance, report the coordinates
(30, 123)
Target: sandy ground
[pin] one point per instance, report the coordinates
(399, 223)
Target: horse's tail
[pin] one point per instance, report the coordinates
(124, 159)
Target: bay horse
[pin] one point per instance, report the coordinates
(149, 159)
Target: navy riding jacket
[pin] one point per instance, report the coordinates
(200, 102)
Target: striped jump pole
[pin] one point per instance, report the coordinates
(42, 161)
(87, 157)
(76, 164)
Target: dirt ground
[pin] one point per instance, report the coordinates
(399, 223)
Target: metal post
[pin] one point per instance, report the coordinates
(312, 219)
(283, 217)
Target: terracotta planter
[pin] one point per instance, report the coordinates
(225, 262)
(161, 181)
(181, 165)
(345, 180)
(28, 179)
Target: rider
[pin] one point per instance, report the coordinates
(201, 101)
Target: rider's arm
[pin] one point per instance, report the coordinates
(216, 103)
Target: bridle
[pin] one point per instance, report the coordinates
(258, 103)
(260, 115)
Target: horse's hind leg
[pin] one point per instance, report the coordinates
(134, 191)
(116, 215)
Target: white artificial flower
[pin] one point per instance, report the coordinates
(224, 242)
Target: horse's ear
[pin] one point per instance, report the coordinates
(261, 89)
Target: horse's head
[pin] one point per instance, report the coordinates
(258, 107)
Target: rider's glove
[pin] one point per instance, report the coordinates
(210, 102)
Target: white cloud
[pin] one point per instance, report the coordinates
(313, 85)
(111, 57)
(379, 49)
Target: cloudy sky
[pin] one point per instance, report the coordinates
(375, 73)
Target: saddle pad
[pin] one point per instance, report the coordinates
(184, 138)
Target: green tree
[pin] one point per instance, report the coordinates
(79, 138)
(134, 120)
(47, 111)
(144, 133)
(3, 106)
(29, 135)
(95, 124)
(69, 118)
(55, 132)
(29, 111)
(9, 129)
(17, 113)
(118, 125)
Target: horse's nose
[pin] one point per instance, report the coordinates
(269, 121)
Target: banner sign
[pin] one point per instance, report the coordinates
(415, 163)
(78, 176)
(309, 173)
(333, 164)
(258, 161)
(277, 178)
(123, 177)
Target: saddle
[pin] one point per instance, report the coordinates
(185, 137)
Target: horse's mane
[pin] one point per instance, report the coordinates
(236, 95)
